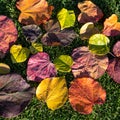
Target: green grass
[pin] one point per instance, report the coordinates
(37, 110)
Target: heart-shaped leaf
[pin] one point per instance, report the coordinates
(63, 63)
(34, 11)
(87, 64)
(98, 44)
(40, 67)
(116, 49)
(19, 54)
(57, 37)
(8, 34)
(87, 30)
(15, 94)
(111, 26)
(89, 12)
(4, 68)
(84, 93)
(66, 18)
(53, 91)
(32, 32)
(114, 69)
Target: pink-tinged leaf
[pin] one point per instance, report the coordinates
(89, 12)
(40, 67)
(8, 34)
(15, 94)
(116, 49)
(111, 26)
(84, 93)
(114, 69)
(87, 64)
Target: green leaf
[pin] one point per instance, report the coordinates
(66, 18)
(4, 68)
(36, 47)
(19, 54)
(98, 44)
(63, 63)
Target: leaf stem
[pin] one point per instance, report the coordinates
(112, 54)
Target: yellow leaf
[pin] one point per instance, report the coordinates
(53, 91)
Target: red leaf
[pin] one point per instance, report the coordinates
(84, 93)
(116, 49)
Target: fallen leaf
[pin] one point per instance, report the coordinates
(32, 32)
(87, 64)
(111, 26)
(116, 49)
(4, 68)
(89, 12)
(19, 54)
(15, 94)
(36, 47)
(99, 44)
(53, 91)
(87, 30)
(34, 11)
(84, 93)
(8, 34)
(40, 67)
(57, 37)
(114, 69)
(63, 63)
(66, 18)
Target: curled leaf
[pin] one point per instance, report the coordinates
(98, 44)
(84, 93)
(19, 54)
(111, 26)
(87, 30)
(53, 91)
(40, 67)
(15, 94)
(66, 18)
(116, 49)
(34, 11)
(8, 34)
(32, 32)
(63, 63)
(4, 68)
(87, 64)
(89, 12)
(36, 47)
(114, 69)
(57, 37)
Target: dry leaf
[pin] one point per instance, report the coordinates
(89, 12)
(34, 11)
(116, 49)
(84, 93)
(111, 26)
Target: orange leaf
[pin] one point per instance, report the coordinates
(111, 26)
(34, 11)
(89, 12)
(84, 93)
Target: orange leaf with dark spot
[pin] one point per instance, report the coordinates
(111, 26)
(84, 93)
(34, 11)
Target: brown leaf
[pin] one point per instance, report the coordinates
(8, 34)
(114, 69)
(111, 26)
(84, 93)
(34, 11)
(89, 12)
(116, 49)
(87, 64)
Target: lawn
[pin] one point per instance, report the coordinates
(37, 110)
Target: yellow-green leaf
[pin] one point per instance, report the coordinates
(63, 63)
(4, 68)
(36, 47)
(19, 54)
(66, 18)
(53, 91)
